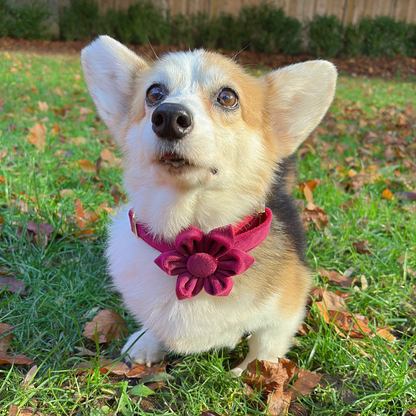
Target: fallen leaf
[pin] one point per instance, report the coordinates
(85, 110)
(210, 413)
(278, 403)
(13, 285)
(37, 135)
(264, 375)
(143, 371)
(106, 367)
(141, 390)
(355, 327)
(85, 165)
(387, 194)
(361, 247)
(314, 214)
(15, 360)
(29, 411)
(29, 376)
(337, 278)
(386, 334)
(13, 409)
(41, 232)
(64, 193)
(6, 336)
(107, 326)
(305, 383)
(43, 106)
(115, 192)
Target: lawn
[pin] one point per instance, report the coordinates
(60, 167)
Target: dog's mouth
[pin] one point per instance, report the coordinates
(174, 160)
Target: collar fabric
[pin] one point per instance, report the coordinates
(209, 260)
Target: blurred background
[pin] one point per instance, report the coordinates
(323, 28)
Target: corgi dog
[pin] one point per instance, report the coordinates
(211, 246)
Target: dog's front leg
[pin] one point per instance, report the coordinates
(143, 348)
(270, 343)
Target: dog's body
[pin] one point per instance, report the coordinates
(224, 155)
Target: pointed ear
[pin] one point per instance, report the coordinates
(110, 70)
(299, 96)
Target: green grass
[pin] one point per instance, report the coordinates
(67, 281)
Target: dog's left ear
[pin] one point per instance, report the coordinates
(298, 98)
(110, 70)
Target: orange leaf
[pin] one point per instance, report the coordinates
(386, 334)
(37, 135)
(142, 371)
(86, 165)
(387, 194)
(107, 325)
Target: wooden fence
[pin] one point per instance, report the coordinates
(348, 11)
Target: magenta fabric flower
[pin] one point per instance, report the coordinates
(210, 260)
(204, 261)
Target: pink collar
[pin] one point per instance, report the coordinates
(207, 260)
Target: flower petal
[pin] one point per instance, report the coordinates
(189, 241)
(235, 262)
(218, 286)
(188, 286)
(172, 262)
(219, 241)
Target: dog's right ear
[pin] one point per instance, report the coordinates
(110, 69)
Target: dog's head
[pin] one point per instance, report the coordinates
(197, 121)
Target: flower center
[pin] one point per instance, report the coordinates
(201, 265)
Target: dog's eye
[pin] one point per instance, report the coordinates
(227, 98)
(154, 94)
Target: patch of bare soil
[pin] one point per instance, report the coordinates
(359, 66)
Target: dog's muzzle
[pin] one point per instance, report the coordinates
(171, 121)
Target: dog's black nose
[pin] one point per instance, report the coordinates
(171, 121)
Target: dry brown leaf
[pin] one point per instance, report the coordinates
(308, 193)
(16, 359)
(314, 214)
(43, 106)
(37, 135)
(337, 278)
(278, 403)
(115, 192)
(41, 233)
(29, 411)
(142, 371)
(353, 325)
(361, 247)
(84, 111)
(108, 325)
(64, 193)
(305, 383)
(264, 375)
(6, 336)
(333, 302)
(386, 334)
(106, 367)
(29, 376)
(13, 285)
(85, 165)
(13, 409)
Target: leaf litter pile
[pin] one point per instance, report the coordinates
(60, 181)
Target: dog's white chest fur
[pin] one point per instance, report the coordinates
(191, 325)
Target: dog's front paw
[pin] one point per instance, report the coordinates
(143, 348)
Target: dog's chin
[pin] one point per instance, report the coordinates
(175, 164)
